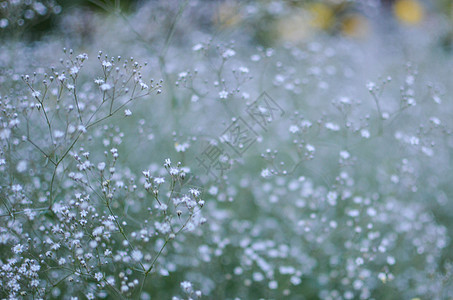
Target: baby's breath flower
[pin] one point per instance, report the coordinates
(18, 248)
(159, 180)
(194, 192)
(105, 87)
(197, 47)
(332, 126)
(187, 286)
(228, 53)
(167, 163)
(181, 147)
(106, 64)
(266, 173)
(293, 128)
(137, 255)
(74, 70)
(98, 276)
(223, 94)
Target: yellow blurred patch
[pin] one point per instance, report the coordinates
(408, 11)
(294, 28)
(322, 15)
(228, 14)
(354, 26)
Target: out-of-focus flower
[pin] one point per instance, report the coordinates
(354, 26)
(228, 14)
(294, 28)
(408, 11)
(322, 15)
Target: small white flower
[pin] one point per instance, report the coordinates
(81, 128)
(332, 126)
(332, 198)
(3, 23)
(273, 285)
(90, 296)
(266, 173)
(437, 99)
(353, 213)
(223, 94)
(99, 81)
(344, 154)
(101, 166)
(435, 121)
(305, 124)
(414, 140)
(167, 162)
(18, 249)
(159, 180)
(244, 70)
(295, 280)
(293, 128)
(370, 86)
(143, 85)
(82, 56)
(257, 276)
(98, 231)
(197, 47)
(411, 101)
(5, 133)
(391, 260)
(427, 151)
(229, 53)
(58, 134)
(163, 228)
(410, 80)
(213, 190)
(255, 57)
(98, 276)
(181, 147)
(194, 98)
(106, 64)
(186, 286)
(194, 192)
(21, 166)
(345, 100)
(105, 87)
(310, 148)
(40, 8)
(365, 133)
(137, 255)
(127, 112)
(16, 188)
(74, 70)
(36, 94)
(34, 283)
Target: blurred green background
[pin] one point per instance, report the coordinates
(23, 19)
